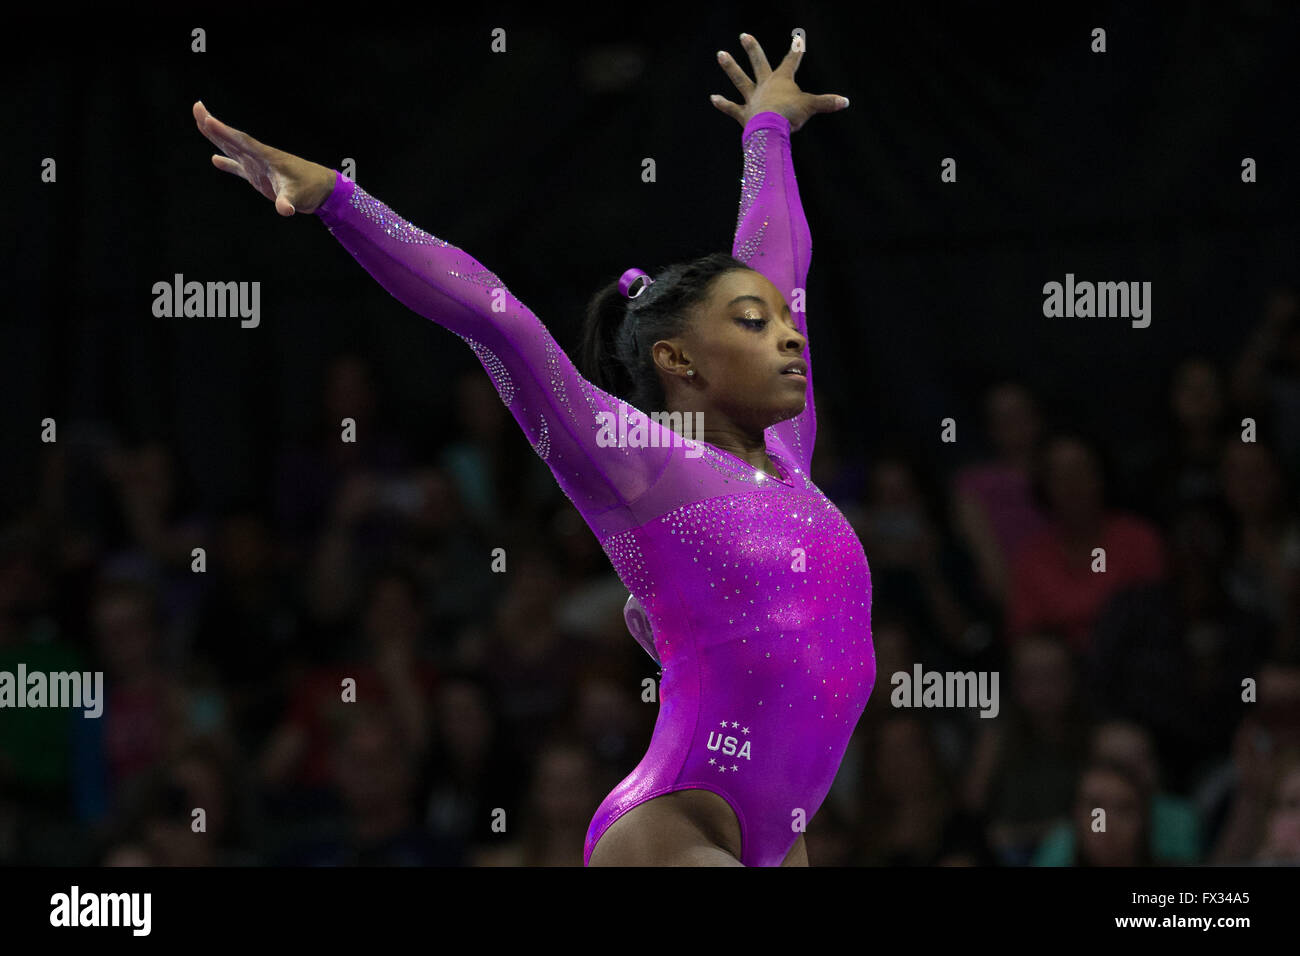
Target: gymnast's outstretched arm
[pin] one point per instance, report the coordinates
(553, 403)
(772, 235)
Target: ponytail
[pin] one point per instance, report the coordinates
(620, 332)
(606, 314)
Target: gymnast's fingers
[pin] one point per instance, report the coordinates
(829, 102)
(728, 107)
(793, 57)
(757, 58)
(229, 140)
(227, 165)
(733, 70)
(207, 124)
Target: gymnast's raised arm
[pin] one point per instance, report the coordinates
(772, 235)
(563, 415)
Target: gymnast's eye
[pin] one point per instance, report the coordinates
(752, 323)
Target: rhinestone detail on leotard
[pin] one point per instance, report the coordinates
(496, 369)
(753, 173)
(483, 277)
(393, 225)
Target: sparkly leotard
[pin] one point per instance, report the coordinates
(756, 588)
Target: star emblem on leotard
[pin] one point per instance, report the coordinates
(712, 761)
(735, 723)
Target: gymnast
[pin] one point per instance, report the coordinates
(748, 586)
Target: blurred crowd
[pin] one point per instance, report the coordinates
(489, 713)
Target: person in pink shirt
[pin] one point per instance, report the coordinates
(1059, 580)
(992, 499)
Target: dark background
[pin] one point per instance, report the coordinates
(1117, 166)
(1122, 166)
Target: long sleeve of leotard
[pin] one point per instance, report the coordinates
(555, 406)
(772, 237)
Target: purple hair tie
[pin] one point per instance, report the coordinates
(633, 277)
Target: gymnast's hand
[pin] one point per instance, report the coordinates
(775, 91)
(293, 183)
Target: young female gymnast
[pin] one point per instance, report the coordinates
(755, 590)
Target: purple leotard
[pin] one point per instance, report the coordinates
(756, 588)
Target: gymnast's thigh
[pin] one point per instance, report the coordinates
(681, 828)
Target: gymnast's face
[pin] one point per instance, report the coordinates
(742, 339)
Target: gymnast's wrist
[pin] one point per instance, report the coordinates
(326, 190)
(767, 119)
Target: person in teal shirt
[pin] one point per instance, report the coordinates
(1175, 834)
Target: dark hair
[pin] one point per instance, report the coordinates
(619, 331)
(1014, 381)
(1106, 468)
(1123, 770)
(896, 449)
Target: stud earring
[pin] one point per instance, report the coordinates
(690, 371)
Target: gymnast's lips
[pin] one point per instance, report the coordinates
(796, 369)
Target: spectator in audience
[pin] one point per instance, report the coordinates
(1281, 844)
(553, 824)
(500, 480)
(1059, 581)
(389, 668)
(155, 500)
(1112, 817)
(1264, 560)
(36, 743)
(146, 715)
(247, 616)
(908, 798)
(186, 813)
(916, 566)
(1024, 767)
(449, 552)
(373, 776)
(1266, 377)
(1172, 655)
(1175, 830)
(993, 503)
(531, 660)
(310, 473)
(1178, 463)
(473, 767)
(1265, 743)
